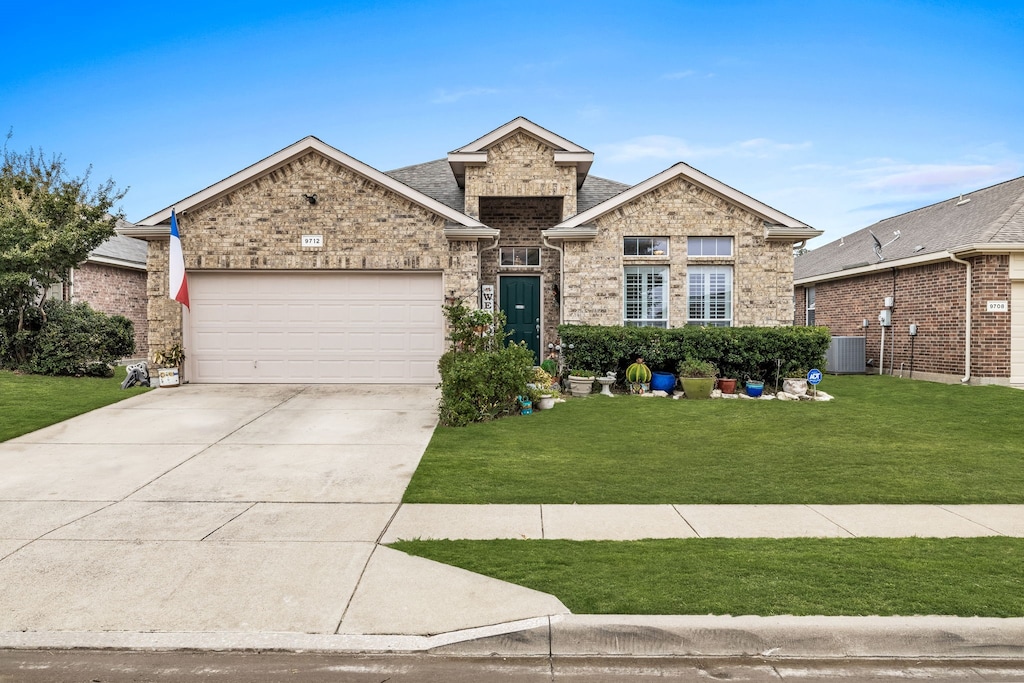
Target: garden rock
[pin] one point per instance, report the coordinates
(659, 393)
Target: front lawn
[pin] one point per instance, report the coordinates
(883, 440)
(806, 576)
(31, 402)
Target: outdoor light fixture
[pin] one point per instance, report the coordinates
(311, 198)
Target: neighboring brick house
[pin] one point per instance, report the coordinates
(113, 280)
(954, 270)
(310, 266)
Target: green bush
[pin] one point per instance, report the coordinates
(482, 377)
(738, 352)
(76, 340)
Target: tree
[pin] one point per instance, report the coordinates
(49, 222)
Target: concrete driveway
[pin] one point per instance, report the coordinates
(230, 510)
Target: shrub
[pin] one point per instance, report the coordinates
(482, 377)
(738, 352)
(76, 340)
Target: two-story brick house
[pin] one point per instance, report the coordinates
(311, 266)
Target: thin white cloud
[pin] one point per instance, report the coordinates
(678, 75)
(668, 147)
(932, 178)
(448, 96)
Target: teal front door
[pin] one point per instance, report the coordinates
(519, 297)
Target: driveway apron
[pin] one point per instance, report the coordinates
(231, 509)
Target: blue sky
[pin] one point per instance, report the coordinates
(837, 113)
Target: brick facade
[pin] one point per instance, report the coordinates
(514, 186)
(762, 270)
(520, 166)
(259, 225)
(931, 296)
(115, 291)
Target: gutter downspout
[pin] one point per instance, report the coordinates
(561, 277)
(967, 331)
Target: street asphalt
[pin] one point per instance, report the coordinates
(214, 517)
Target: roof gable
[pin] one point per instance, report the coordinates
(566, 151)
(778, 225)
(991, 218)
(288, 154)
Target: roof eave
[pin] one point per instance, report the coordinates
(461, 233)
(116, 262)
(579, 233)
(765, 212)
(781, 233)
(910, 261)
(292, 152)
(145, 232)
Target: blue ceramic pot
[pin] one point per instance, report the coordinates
(663, 381)
(755, 388)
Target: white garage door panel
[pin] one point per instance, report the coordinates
(315, 327)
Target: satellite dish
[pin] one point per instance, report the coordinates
(877, 247)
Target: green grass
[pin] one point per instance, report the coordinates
(883, 440)
(31, 402)
(853, 577)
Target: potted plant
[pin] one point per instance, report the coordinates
(795, 381)
(169, 363)
(754, 387)
(727, 385)
(638, 377)
(581, 382)
(697, 377)
(543, 390)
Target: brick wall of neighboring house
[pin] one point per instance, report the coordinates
(258, 226)
(931, 296)
(115, 291)
(520, 166)
(762, 270)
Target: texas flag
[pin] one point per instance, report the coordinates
(179, 281)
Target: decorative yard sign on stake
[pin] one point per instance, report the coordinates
(487, 298)
(813, 377)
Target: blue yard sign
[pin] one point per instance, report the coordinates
(814, 376)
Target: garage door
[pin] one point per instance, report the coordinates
(315, 327)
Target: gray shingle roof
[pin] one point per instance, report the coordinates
(993, 215)
(122, 248)
(436, 180)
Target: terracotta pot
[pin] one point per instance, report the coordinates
(727, 386)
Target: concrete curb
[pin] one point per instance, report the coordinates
(785, 637)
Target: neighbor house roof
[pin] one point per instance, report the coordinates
(986, 220)
(120, 251)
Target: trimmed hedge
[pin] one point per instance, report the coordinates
(739, 352)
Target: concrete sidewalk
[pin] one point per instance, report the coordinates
(634, 522)
(228, 517)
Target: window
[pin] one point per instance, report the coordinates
(645, 246)
(709, 246)
(645, 298)
(809, 295)
(520, 256)
(710, 295)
